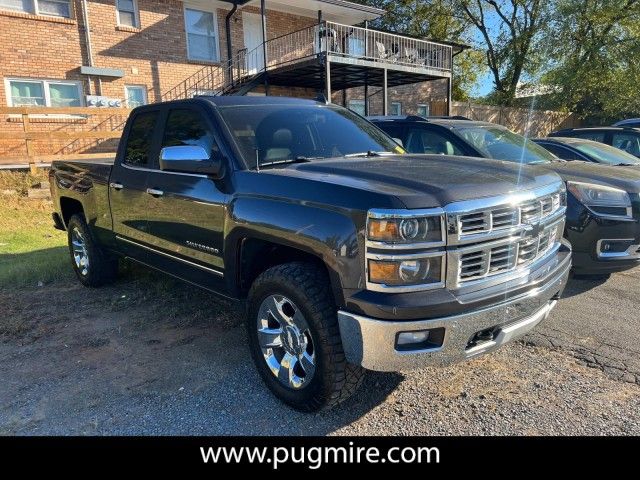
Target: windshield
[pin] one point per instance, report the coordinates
(502, 144)
(602, 153)
(280, 134)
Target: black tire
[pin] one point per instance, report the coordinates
(102, 268)
(307, 285)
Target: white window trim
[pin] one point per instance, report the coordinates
(144, 94)
(427, 106)
(391, 104)
(212, 10)
(136, 15)
(46, 94)
(36, 10)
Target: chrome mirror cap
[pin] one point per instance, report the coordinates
(192, 153)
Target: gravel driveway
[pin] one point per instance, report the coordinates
(151, 356)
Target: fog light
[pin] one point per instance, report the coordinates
(408, 338)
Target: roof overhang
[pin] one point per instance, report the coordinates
(340, 11)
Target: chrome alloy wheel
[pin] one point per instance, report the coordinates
(286, 342)
(80, 254)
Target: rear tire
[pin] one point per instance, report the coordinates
(298, 351)
(92, 265)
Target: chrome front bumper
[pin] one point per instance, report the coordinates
(371, 343)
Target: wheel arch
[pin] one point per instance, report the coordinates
(69, 207)
(255, 255)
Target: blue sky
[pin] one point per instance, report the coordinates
(485, 82)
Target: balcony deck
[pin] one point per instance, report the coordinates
(328, 56)
(358, 56)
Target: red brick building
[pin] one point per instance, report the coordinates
(123, 53)
(63, 52)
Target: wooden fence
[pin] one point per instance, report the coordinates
(533, 123)
(34, 136)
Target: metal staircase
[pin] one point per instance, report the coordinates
(236, 76)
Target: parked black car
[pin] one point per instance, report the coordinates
(346, 255)
(568, 148)
(624, 138)
(629, 122)
(603, 214)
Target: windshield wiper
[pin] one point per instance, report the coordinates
(368, 154)
(299, 159)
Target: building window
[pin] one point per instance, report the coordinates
(54, 8)
(395, 108)
(423, 110)
(135, 95)
(357, 106)
(43, 93)
(127, 13)
(202, 35)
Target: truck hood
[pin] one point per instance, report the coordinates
(618, 176)
(421, 181)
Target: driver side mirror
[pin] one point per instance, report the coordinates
(189, 159)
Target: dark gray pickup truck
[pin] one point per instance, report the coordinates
(348, 254)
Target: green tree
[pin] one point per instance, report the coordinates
(595, 70)
(511, 34)
(435, 20)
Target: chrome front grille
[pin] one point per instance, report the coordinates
(505, 236)
(480, 261)
(483, 262)
(508, 216)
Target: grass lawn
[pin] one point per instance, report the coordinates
(31, 250)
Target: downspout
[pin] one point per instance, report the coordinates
(227, 23)
(87, 40)
(263, 12)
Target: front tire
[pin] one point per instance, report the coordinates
(92, 265)
(294, 338)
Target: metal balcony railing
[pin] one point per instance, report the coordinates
(382, 47)
(354, 44)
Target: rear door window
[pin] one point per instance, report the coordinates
(140, 139)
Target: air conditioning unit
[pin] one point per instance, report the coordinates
(102, 101)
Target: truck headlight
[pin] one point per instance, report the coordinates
(393, 228)
(409, 270)
(602, 200)
(404, 250)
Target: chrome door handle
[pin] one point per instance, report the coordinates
(154, 192)
(116, 186)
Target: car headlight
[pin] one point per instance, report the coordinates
(407, 271)
(602, 200)
(404, 250)
(393, 228)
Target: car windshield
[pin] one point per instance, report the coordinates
(602, 153)
(502, 144)
(282, 134)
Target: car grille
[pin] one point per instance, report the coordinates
(506, 217)
(504, 237)
(486, 260)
